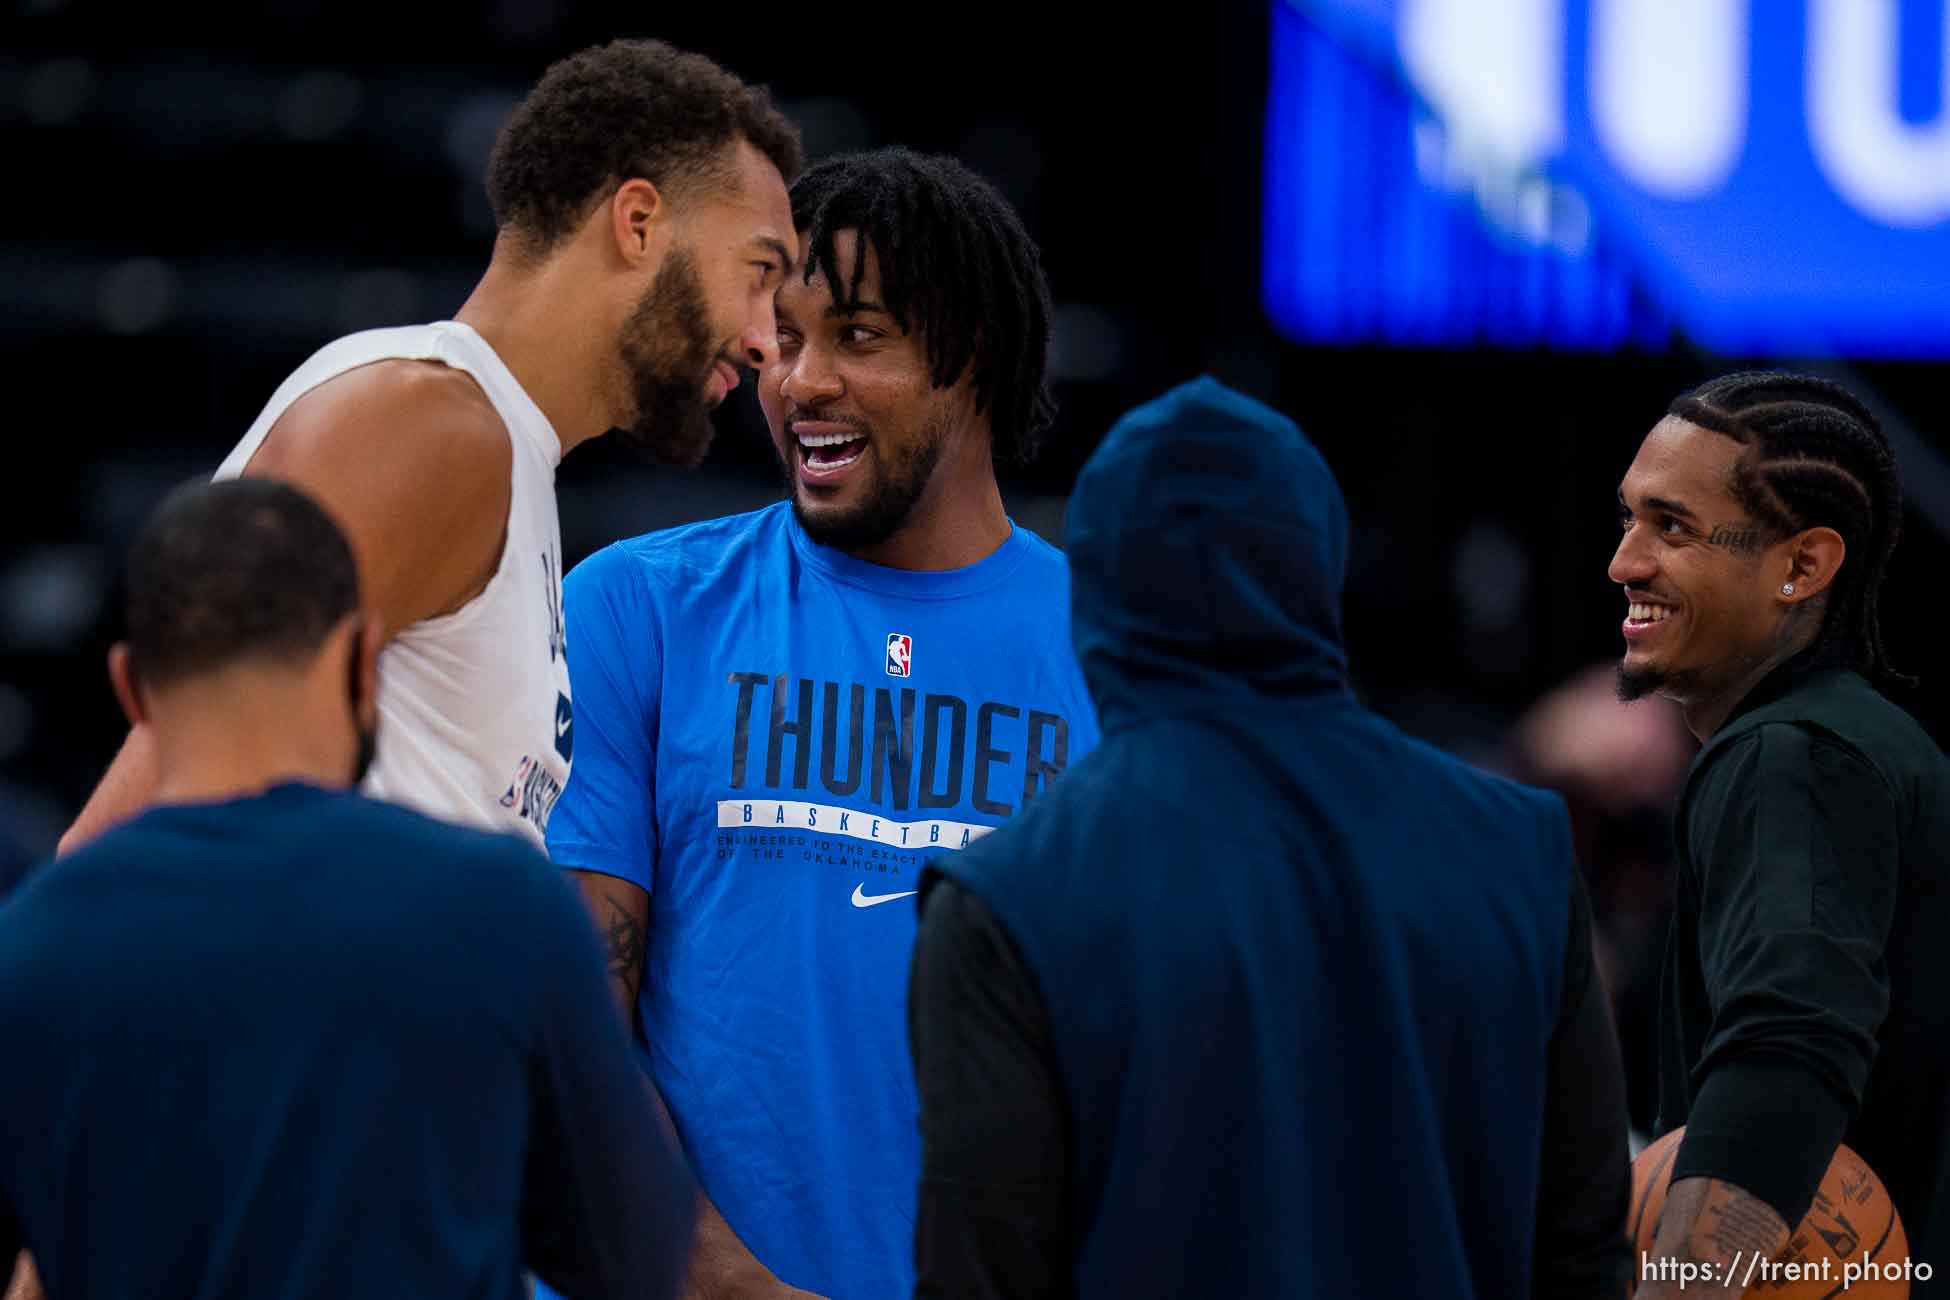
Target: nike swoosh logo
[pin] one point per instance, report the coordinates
(562, 726)
(874, 900)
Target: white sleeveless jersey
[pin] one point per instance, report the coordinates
(475, 723)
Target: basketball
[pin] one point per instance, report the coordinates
(1850, 1234)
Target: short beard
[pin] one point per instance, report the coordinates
(896, 490)
(667, 358)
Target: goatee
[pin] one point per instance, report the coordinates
(1637, 683)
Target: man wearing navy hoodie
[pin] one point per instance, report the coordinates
(1266, 998)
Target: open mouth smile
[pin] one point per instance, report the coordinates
(827, 449)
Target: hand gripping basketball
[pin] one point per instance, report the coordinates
(1850, 1244)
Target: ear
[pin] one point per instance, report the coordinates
(639, 221)
(1815, 556)
(368, 638)
(121, 676)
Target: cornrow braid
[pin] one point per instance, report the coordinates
(1816, 457)
(955, 264)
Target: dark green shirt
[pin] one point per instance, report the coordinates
(1807, 985)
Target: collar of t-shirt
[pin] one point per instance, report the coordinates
(915, 584)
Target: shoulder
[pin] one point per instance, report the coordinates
(670, 551)
(709, 542)
(1041, 551)
(495, 879)
(1042, 562)
(1499, 796)
(425, 425)
(674, 558)
(1787, 755)
(1852, 713)
(378, 823)
(317, 823)
(628, 585)
(1837, 701)
(1828, 709)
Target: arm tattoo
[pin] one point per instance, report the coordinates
(1737, 1221)
(1741, 539)
(1714, 1223)
(626, 942)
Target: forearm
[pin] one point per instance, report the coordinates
(26, 1283)
(722, 1268)
(1759, 1137)
(624, 990)
(1712, 1238)
(621, 914)
(623, 942)
(1767, 1125)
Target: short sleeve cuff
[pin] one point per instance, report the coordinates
(581, 855)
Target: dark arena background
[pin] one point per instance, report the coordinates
(1472, 248)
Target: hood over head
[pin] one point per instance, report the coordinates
(1208, 548)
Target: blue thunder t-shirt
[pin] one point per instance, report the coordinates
(772, 738)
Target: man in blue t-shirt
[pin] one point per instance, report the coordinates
(782, 716)
(270, 1040)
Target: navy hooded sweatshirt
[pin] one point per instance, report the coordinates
(1263, 998)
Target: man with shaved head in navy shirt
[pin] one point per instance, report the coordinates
(272, 1040)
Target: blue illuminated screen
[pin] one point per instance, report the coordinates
(1768, 177)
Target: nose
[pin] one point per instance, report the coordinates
(1633, 563)
(760, 339)
(810, 378)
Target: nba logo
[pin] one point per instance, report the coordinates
(900, 654)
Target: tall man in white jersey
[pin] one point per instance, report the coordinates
(786, 714)
(644, 224)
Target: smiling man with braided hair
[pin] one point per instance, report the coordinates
(1803, 1001)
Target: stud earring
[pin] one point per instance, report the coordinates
(1787, 589)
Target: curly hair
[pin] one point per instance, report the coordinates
(623, 110)
(1815, 457)
(955, 263)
